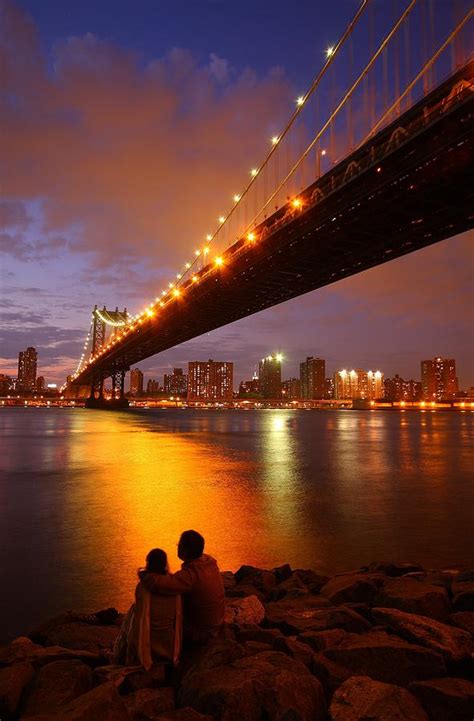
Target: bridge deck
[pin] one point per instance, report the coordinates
(408, 187)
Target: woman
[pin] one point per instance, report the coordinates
(152, 629)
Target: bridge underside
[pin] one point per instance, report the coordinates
(421, 192)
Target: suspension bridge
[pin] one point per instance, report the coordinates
(376, 161)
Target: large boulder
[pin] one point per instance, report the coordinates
(131, 678)
(453, 643)
(291, 588)
(23, 649)
(394, 569)
(360, 698)
(250, 632)
(148, 703)
(314, 581)
(464, 620)
(265, 685)
(446, 699)
(83, 636)
(244, 610)
(311, 613)
(381, 656)
(463, 596)
(414, 596)
(101, 704)
(260, 578)
(56, 685)
(228, 579)
(354, 587)
(13, 681)
(292, 646)
(321, 640)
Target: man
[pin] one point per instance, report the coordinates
(200, 583)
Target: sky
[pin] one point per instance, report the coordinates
(124, 127)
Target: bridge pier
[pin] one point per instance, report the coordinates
(97, 399)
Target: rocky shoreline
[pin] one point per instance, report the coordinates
(388, 642)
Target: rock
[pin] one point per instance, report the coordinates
(83, 636)
(282, 573)
(292, 646)
(464, 620)
(56, 685)
(260, 578)
(23, 649)
(446, 699)
(452, 643)
(321, 640)
(310, 613)
(183, 714)
(466, 575)
(13, 681)
(250, 632)
(312, 580)
(131, 678)
(243, 590)
(244, 610)
(107, 617)
(101, 704)
(381, 656)
(463, 596)
(389, 568)
(228, 579)
(412, 596)
(266, 685)
(360, 698)
(148, 703)
(356, 588)
(291, 588)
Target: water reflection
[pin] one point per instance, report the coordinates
(84, 495)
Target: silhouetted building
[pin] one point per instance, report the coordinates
(40, 384)
(136, 382)
(269, 376)
(358, 384)
(329, 388)
(176, 383)
(412, 391)
(393, 388)
(6, 385)
(153, 387)
(249, 388)
(313, 377)
(291, 389)
(27, 362)
(438, 379)
(210, 380)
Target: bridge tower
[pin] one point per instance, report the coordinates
(102, 320)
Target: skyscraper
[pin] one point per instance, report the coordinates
(176, 383)
(27, 363)
(269, 375)
(291, 389)
(136, 382)
(312, 377)
(438, 379)
(210, 380)
(358, 384)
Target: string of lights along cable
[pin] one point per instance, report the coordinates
(354, 95)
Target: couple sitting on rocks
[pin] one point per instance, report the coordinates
(172, 610)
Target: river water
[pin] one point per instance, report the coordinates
(85, 494)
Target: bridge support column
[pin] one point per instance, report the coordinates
(122, 385)
(99, 401)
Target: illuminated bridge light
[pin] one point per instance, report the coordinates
(218, 261)
(236, 198)
(323, 152)
(205, 250)
(170, 285)
(279, 357)
(188, 265)
(194, 279)
(254, 172)
(221, 219)
(161, 304)
(197, 253)
(275, 139)
(176, 292)
(329, 51)
(209, 236)
(300, 101)
(251, 237)
(150, 313)
(296, 203)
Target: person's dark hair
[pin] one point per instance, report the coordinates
(156, 562)
(191, 545)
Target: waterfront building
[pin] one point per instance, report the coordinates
(393, 388)
(313, 378)
(153, 387)
(27, 364)
(210, 380)
(40, 384)
(438, 379)
(358, 384)
(329, 388)
(269, 375)
(291, 389)
(136, 382)
(412, 391)
(6, 385)
(250, 388)
(176, 383)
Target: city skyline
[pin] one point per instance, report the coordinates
(58, 261)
